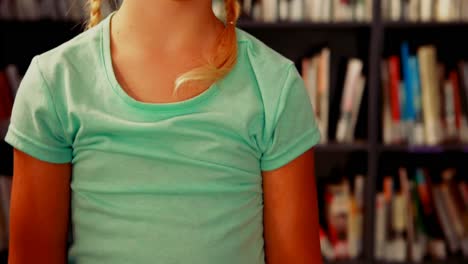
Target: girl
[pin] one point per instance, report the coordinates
(171, 137)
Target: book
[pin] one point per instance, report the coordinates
(417, 136)
(386, 109)
(413, 10)
(353, 74)
(357, 98)
(410, 98)
(323, 87)
(443, 10)
(450, 121)
(426, 10)
(395, 10)
(283, 10)
(430, 103)
(394, 89)
(380, 226)
(418, 248)
(338, 214)
(357, 215)
(269, 10)
(442, 215)
(296, 10)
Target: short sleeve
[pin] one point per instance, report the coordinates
(294, 128)
(35, 126)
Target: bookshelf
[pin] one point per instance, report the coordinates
(246, 24)
(368, 40)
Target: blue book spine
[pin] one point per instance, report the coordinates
(408, 108)
(416, 87)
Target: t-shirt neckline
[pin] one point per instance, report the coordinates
(110, 73)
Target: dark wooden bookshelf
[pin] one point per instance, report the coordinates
(246, 24)
(423, 149)
(422, 25)
(450, 260)
(370, 41)
(342, 147)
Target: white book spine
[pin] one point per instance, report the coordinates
(269, 10)
(352, 76)
(359, 90)
(326, 12)
(443, 10)
(430, 95)
(324, 87)
(414, 10)
(283, 10)
(395, 10)
(360, 10)
(338, 11)
(318, 16)
(296, 10)
(426, 10)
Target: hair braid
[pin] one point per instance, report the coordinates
(95, 14)
(226, 55)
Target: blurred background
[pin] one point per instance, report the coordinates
(388, 80)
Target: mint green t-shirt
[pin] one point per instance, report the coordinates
(170, 182)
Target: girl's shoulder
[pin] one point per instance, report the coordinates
(269, 69)
(260, 50)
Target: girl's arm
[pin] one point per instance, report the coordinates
(39, 215)
(291, 214)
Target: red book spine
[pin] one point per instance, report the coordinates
(394, 72)
(456, 98)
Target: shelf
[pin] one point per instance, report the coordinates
(449, 260)
(341, 147)
(302, 25)
(422, 25)
(424, 149)
(349, 261)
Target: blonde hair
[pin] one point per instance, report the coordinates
(219, 65)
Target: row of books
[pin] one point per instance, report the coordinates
(5, 194)
(303, 10)
(9, 83)
(426, 217)
(316, 74)
(425, 10)
(343, 236)
(75, 10)
(424, 102)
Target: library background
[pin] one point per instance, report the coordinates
(388, 80)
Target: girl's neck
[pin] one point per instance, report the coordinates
(166, 25)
